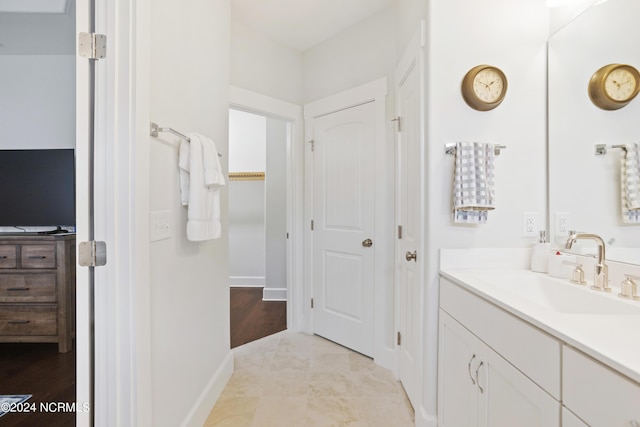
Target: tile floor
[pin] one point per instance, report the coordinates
(299, 380)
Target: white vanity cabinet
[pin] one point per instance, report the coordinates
(596, 394)
(489, 371)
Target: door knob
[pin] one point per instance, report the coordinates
(411, 256)
(367, 243)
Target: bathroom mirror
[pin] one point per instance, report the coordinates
(585, 188)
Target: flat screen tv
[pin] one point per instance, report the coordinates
(37, 188)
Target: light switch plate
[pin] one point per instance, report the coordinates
(160, 226)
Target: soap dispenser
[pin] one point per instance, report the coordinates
(540, 254)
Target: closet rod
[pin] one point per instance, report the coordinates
(155, 129)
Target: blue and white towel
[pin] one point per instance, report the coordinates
(473, 174)
(630, 184)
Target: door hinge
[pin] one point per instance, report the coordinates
(92, 45)
(399, 338)
(311, 302)
(399, 232)
(313, 144)
(92, 254)
(311, 225)
(398, 121)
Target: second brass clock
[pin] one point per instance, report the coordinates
(614, 86)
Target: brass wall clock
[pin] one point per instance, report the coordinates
(484, 87)
(614, 86)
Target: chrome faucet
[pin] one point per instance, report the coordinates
(601, 271)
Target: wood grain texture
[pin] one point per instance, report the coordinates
(252, 318)
(39, 370)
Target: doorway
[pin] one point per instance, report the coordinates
(258, 231)
(37, 113)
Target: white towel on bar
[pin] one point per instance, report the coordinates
(200, 180)
(473, 192)
(630, 184)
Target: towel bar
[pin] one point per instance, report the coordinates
(450, 148)
(154, 129)
(601, 149)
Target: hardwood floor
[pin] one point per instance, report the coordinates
(39, 370)
(252, 318)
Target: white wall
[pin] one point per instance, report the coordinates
(276, 210)
(264, 66)
(189, 84)
(458, 39)
(37, 101)
(247, 142)
(358, 55)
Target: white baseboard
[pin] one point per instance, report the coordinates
(423, 419)
(274, 294)
(247, 281)
(209, 396)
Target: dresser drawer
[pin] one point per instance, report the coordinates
(28, 288)
(598, 395)
(38, 256)
(28, 320)
(8, 257)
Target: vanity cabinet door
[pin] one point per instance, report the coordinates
(478, 387)
(458, 361)
(509, 398)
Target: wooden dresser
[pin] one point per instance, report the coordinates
(37, 289)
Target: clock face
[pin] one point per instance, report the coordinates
(488, 85)
(620, 84)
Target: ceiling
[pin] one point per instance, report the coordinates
(34, 27)
(301, 24)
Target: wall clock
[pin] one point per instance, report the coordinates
(614, 86)
(484, 87)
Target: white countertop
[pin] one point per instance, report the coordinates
(613, 338)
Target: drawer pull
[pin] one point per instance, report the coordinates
(4, 257)
(469, 369)
(18, 289)
(18, 322)
(477, 380)
(37, 257)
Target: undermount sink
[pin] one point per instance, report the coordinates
(557, 294)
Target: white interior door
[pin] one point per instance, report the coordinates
(410, 253)
(343, 226)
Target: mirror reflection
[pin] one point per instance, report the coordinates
(585, 190)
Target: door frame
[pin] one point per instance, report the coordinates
(413, 59)
(252, 102)
(121, 388)
(375, 91)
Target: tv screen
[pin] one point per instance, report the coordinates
(37, 188)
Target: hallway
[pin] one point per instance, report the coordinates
(294, 379)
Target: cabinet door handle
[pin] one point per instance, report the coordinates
(17, 289)
(469, 369)
(37, 257)
(4, 257)
(18, 322)
(477, 380)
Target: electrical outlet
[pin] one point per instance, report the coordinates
(530, 224)
(562, 224)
